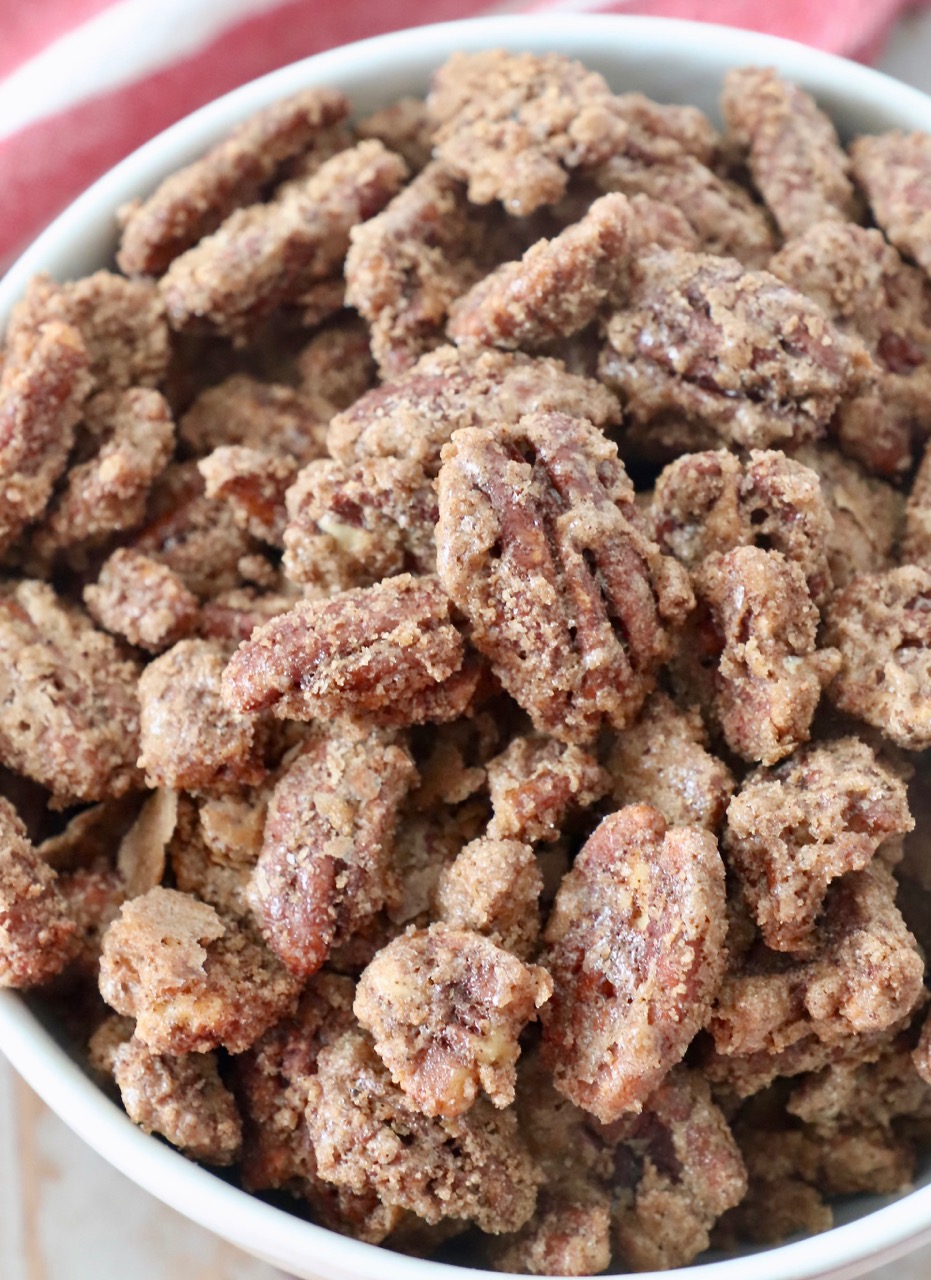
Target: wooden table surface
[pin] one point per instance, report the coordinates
(65, 1214)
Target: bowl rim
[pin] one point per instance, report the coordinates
(880, 1235)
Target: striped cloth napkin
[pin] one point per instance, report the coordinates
(83, 82)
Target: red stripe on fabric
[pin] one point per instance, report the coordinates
(47, 164)
(851, 27)
(27, 26)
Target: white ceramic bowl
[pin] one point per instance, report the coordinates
(672, 61)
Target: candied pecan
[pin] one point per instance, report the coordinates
(514, 125)
(388, 650)
(894, 170)
(69, 714)
(336, 366)
(866, 514)
(635, 944)
(865, 288)
(782, 1199)
(447, 389)
(916, 542)
(189, 738)
(270, 1081)
(493, 887)
(44, 381)
(536, 782)
(881, 623)
(764, 670)
(193, 980)
(428, 839)
(539, 543)
(122, 323)
(863, 1093)
(253, 482)
(259, 415)
(792, 149)
(692, 1172)
(659, 131)
(271, 1087)
(215, 847)
(37, 936)
(405, 266)
(775, 1015)
(109, 492)
(269, 254)
(322, 301)
(708, 502)
(324, 869)
(353, 524)
(195, 536)
(556, 288)
(93, 897)
(141, 600)
(663, 760)
(193, 202)
(403, 126)
(562, 1239)
(180, 1097)
(722, 215)
(445, 1007)
(368, 1136)
(234, 615)
(735, 353)
(793, 829)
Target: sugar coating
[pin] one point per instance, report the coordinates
(766, 671)
(142, 601)
(536, 783)
(663, 760)
(540, 545)
(354, 524)
(336, 365)
(388, 650)
(880, 625)
(194, 201)
(109, 492)
(369, 1136)
(556, 288)
(776, 1015)
(403, 126)
(445, 1007)
(121, 322)
(792, 149)
(241, 410)
(894, 170)
(446, 390)
(69, 713)
(692, 1173)
(253, 482)
(181, 1097)
(192, 979)
(37, 935)
(325, 865)
(493, 887)
(713, 502)
(44, 381)
(794, 828)
(735, 352)
(864, 286)
(622, 1015)
(407, 265)
(189, 738)
(514, 125)
(267, 255)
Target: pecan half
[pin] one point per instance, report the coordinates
(540, 545)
